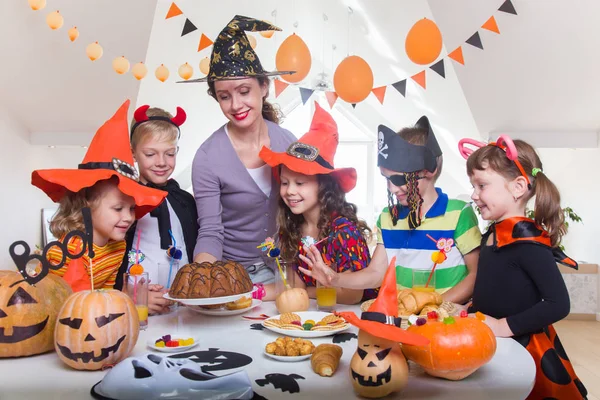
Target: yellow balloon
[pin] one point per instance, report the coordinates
(37, 4)
(73, 34)
(162, 73)
(120, 65)
(252, 41)
(205, 65)
(186, 71)
(94, 51)
(139, 70)
(55, 20)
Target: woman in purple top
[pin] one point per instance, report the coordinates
(232, 185)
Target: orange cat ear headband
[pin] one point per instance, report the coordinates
(503, 142)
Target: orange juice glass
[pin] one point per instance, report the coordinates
(136, 287)
(420, 277)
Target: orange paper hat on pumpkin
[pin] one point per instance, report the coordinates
(313, 153)
(109, 155)
(381, 319)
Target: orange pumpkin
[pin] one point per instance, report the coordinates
(457, 348)
(28, 313)
(96, 328)
(378, 367)
(292, 300)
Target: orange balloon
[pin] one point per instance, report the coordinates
(37, 4)
(139, 70)
(293, 55)
(162, 73)
(120, 65)
(353, 79)
(252, 40)
(55, 20)
(423, 42)
(73, 34)
(186, 71)
(94, 51)
(205, 65)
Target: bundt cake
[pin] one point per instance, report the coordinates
(218, 279)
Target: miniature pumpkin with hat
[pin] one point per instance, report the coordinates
(378, 368)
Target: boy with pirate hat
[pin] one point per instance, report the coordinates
(418, 216)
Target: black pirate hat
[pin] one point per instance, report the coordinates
(232, 56)
(398, 155)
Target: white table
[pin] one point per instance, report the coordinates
(509, 375)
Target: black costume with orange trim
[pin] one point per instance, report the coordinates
(518, 279)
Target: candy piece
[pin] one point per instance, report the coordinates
(421, 321)
(160, 343)
(309, 321)
(320, 323)
(412, 319)
(464, 314)
(166, 338)
(307, 326)
(432, 315)
(449, 320)
(480, 316)
(297, 323)
(189, 341)
(172, 343)
(181, 342)
(136, 269)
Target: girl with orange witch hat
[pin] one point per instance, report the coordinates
(313, 203)
(106, 182)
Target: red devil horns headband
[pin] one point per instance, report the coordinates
(140, 117)
(503, 142)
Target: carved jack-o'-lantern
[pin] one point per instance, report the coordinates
(96, 328)
(378, 367)
(28, 313)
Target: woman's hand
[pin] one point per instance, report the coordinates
(318, 269)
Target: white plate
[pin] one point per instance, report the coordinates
(210, 300)
(305, 315)
(288, 358)
(223, 312)
(150, 343)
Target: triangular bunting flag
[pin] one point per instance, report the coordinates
(173, 11)
(353, 105)
(280, 86)
(204, 42)
(420, 79)
(305, 93)
(188, 27)
(331, 98)
(475, 40)
(400, 86)
(508, 7)
(491, 25)
(457, 55)
(439, 68)
(379, 92)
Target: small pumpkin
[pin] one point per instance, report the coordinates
(28, 313)
(378, 367)
(457, 348)
(96, 329)
(292, 300)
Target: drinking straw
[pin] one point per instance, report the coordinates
(172, 258)
(137, 254)
(434, 264)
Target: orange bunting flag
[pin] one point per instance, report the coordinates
(457, 55)
(420, 79)
(204, 42)
(491, 25)
(173, 11)
(379, 92)
(331, 98)
(280, 86)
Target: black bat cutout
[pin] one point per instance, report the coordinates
(217, 360)
(257, 327)
(343, 337)
(88, 356)
(287, 383)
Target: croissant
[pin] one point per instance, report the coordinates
(325, 359)
(412, 301)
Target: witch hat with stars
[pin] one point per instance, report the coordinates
(232, 56)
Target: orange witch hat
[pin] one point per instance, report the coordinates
(313, 153)
(108, 155)
(381, 319)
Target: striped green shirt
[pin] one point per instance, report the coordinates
(447, 218)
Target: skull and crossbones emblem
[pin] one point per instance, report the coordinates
(381, 145)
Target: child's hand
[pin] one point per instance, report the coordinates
(157, 304)
(498, 326)
(318, 269)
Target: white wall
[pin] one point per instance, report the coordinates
(21, 203)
